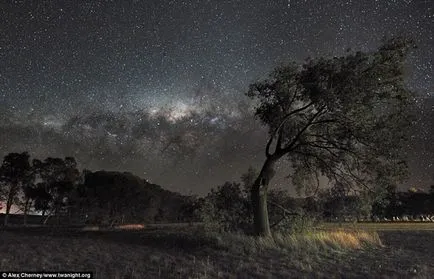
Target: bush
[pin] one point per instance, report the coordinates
(226, 209)
(300, 222)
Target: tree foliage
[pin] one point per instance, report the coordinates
(15, 174)
(339, 204)
(110, 197)
(225, 208)
(343, 118)
(115, 197)
(59, 178)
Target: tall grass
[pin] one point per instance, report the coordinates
(307, 241)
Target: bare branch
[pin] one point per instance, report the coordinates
(286, 211)
(278, 222)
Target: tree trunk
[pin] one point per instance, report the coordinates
(57, 213)
(259, 190)
(260, 212)
(70, 215)
(26, 205)
(8, 206)
(8, 209)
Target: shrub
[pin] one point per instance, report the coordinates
(299, 222)
(226, 209)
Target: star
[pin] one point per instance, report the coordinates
(114, 84)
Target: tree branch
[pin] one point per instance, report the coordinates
(323, 147)
(333, 144)
(293, 98)
(279, 140)
(267, 148)
(275, 132)
(278, 222)
(331, 170)
(325, 121)
(286, 211)
(289, 147)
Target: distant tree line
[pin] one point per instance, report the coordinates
(63, 195)
(228, 207)
(57, 190)
(412, 205)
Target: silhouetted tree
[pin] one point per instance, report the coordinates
(414, 204)
(29, 195)
(386, 202)
(42, 198)
(15, 172)
(59, 177)
(341, 204)
(345, 118)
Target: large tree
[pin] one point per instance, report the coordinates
(29, 193)
(343, 118)
(58, 179)
(15, 173)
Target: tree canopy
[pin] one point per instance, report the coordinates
(343, 118)
(15, 173)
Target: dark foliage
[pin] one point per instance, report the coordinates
(15, 174)
(398, 204)
(55, 187)
(115, 198)
(343, 118)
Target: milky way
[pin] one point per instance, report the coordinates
(157, 87)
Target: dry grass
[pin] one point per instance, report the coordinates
(379, 226)
(346, 239)
(311, 241)
(177, 254)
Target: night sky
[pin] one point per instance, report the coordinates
(157, 87)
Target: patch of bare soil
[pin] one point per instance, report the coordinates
(159, 254)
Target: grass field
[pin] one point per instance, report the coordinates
(185, 253)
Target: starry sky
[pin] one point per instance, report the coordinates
(157, 87)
